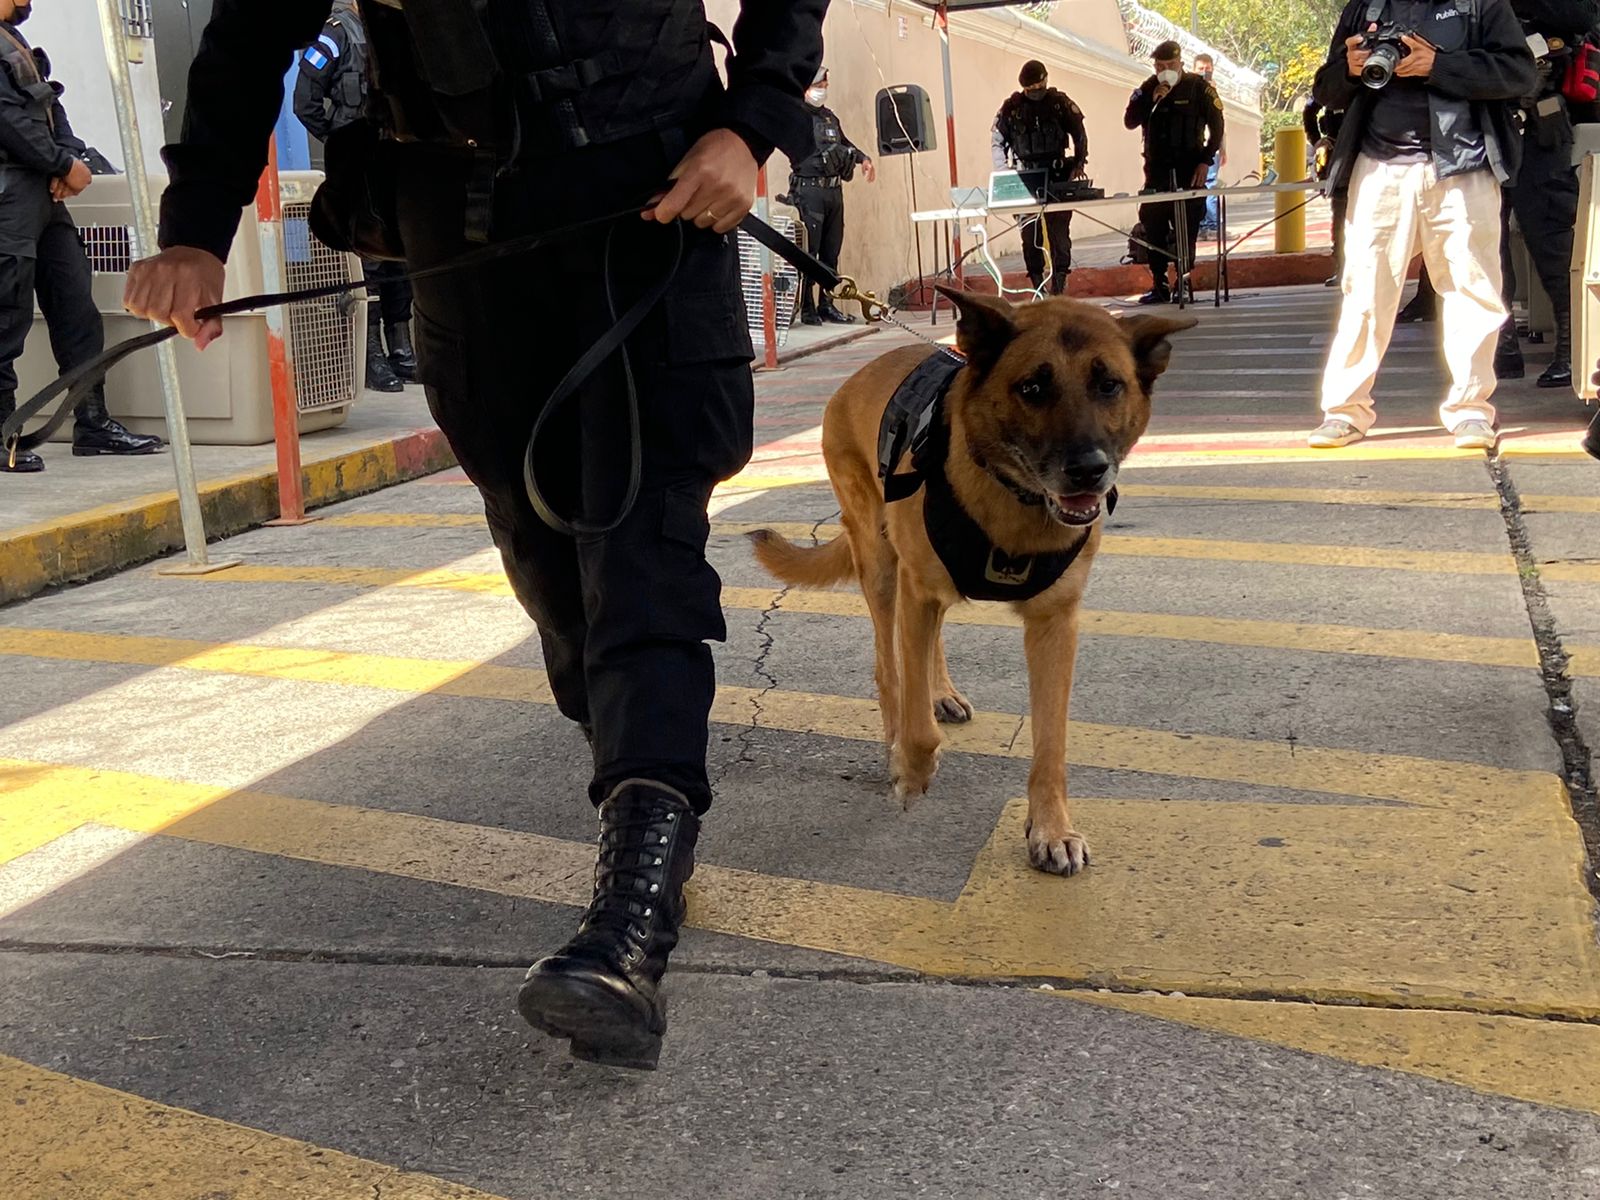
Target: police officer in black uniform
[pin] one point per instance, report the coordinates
(816, 188)
(42, 165)
(1181, 115)
(1322, 131)
(329, 93)
(506, 119)
(1040, 127)
(1545, 195)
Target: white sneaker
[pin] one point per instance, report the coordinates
(1332, 434)
(1476, 435)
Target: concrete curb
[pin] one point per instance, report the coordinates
(137, 530)
(1130, 279)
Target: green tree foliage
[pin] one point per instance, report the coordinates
(1284, 40)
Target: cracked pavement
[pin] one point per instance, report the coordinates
(276, 845)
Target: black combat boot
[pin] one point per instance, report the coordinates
(401, 356)
(94, 431)
(601, 988)
(828, 311)
(380, 375)
(1559, 372)
(1058, 282)
(1508, 363)
(26, 462)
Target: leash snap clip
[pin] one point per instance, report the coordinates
(847, 292)
(11, 451)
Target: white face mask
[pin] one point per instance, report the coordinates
(815, 96)
(1168, 77)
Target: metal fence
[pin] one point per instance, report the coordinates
(785, 284)
(109, 247)
(321, 332)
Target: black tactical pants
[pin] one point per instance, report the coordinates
(1161, 225)
(624, 617)
(1545, 201)
(41, 252)
(392, 300)
(822, 211)
(1058, 227)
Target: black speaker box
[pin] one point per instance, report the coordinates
(905, 120)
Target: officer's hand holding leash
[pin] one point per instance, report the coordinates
(714, 186)
(173, 287)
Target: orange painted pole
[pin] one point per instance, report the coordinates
(280, 359)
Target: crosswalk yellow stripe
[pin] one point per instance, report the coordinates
(68, 1139)
(1461, 786)
(1417, 644)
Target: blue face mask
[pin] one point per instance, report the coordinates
(22, 13)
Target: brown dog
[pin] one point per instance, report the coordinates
(1052, 398)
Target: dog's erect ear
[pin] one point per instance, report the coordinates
(1148, 336)
(983, 326)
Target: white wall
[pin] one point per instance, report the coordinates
(69, 32)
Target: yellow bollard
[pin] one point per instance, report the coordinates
(1289, 156)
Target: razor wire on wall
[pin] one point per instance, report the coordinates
(1147, 30)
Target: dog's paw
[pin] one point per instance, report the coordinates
(1060, 854)
(911, 774)
(952, 708)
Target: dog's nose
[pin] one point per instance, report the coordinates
(1088, 472)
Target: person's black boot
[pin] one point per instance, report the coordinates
(94, 431)
(1422, 307)
(1508, 362)
(380, 375)
(601, 989)
(829, 312)
(26, 462)
(1559, 372)
(1591, 440)
(402, 358)
(1058, 283)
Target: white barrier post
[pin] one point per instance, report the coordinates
(144, 245)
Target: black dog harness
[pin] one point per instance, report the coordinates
(915, 420)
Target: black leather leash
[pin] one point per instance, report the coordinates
(74, 385)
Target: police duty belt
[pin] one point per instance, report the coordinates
(72, 386)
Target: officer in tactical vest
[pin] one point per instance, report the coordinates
(329, 93)
(1039, 127)
(1181, 116)
(1545, 194)
(816, 188)
(42, 165)
(508, 119)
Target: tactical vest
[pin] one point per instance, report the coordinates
(833, 156)
(505, 76)
(30, 71)
(1036, 130)
(915, 420)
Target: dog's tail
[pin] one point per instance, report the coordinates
(803, 566)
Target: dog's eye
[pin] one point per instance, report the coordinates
(1032, 391)
(1108, 388)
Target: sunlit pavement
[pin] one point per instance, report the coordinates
(276, 843)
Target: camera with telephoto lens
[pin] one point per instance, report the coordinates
(1385, 50)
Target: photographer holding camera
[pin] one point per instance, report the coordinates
(1424, 148)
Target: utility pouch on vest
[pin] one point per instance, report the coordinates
(354, 209)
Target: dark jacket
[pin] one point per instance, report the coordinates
(1482, 65)
(34, 131)
(330, 88)
(1184, 130)
(1031, 132)
(1566, 21)
(833, 154)
(1320, 122)
(236, 85)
